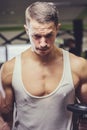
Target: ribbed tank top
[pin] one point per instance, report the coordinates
(46, 112)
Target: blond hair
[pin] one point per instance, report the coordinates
(42, 12)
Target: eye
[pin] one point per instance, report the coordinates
(49, 35)
(36, 36)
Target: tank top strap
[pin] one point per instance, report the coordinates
(67, 67)
(16, 81)
(17, 69)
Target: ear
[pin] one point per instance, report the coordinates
(58, 26)
(26, 29)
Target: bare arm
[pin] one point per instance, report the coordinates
(82, 87)
(81, 91)
(6, 93)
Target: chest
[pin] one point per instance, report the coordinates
(40, 80)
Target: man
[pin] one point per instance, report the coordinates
(42, 80)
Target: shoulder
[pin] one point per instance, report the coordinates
(7, 71)
(8, 66)
(78, 65)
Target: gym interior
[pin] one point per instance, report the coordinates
(72, 35)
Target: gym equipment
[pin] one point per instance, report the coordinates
(80, 110)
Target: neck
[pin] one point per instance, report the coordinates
(50, 57)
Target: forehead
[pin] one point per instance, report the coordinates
(35, 27)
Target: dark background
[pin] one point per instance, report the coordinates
(12, 11)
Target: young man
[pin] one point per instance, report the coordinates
(42, 80)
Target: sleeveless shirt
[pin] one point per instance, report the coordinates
(47, 112)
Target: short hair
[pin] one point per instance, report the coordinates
(42, 12)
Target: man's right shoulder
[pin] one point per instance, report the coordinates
(8, 65)
(7, 70)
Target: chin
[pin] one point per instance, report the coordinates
(43, 53)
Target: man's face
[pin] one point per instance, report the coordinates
(42, 37)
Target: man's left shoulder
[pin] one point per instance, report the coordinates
(78, 60)
(79, 64)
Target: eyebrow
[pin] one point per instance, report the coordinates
(48, 34)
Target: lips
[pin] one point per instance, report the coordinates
(43, 49)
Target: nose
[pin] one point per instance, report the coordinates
(43, 42)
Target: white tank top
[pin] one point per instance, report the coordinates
(46, 112)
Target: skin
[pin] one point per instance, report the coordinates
(47, 62)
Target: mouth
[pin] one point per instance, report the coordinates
(43, 49)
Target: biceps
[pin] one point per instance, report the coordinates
(82, 93)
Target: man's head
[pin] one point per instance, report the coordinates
(42, 12)
(42, 26)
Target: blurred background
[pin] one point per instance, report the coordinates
(72, 35)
